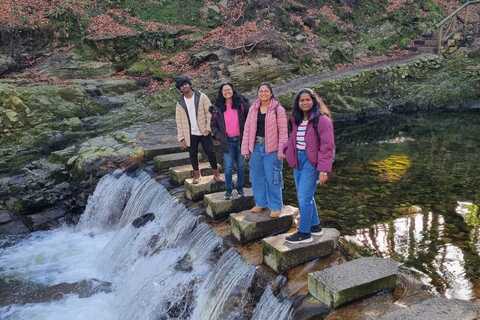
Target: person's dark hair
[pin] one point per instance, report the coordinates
(237, 99)
(180, 80)
(319, 107)
(269, 86)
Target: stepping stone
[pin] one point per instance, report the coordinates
(352, 280)
(218, 207)
(179, 174)
(282, 256)
(247, 226)
(437, 309)
(152, 151)
(206, 185)
(171, 160)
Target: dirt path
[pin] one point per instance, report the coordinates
(311, 80)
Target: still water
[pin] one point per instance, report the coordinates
(408, 187)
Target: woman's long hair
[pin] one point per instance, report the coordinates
(237, 99)
(319, 107)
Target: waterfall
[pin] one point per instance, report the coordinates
(270, 308)
(224, 293)
(173, 267)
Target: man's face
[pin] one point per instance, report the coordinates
(185, 88)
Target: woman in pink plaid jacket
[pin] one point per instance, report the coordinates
(265, 133)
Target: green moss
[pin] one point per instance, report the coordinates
(147, 67)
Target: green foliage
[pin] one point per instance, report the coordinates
(166, 11)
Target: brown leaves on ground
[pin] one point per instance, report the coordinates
(104, 27)
(36, 13)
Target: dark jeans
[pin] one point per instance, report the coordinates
(207, 145)
(230, 158)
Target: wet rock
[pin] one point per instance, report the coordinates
(307, 308)
(171, 160)
(45, 220)
(279, 283)
(40, 185)
(185, 264)
(143, 220)
(6, 64)
(5, 217)
(179, 174)
(15, 227)
(13, 291)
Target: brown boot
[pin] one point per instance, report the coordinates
(216, 176)
(196, 176)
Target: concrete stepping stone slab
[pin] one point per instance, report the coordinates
(171, 160)
(352, 280)
(282, 256)
(151, 151)
(218, 207)
(437, 309)
(205, 186)
(179, 174)
(248, 226)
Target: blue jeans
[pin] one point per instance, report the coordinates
(306, 176)
(266, 178)
(231, 157)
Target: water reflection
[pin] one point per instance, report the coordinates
(423, 241)
(384, 167)
(392, 168)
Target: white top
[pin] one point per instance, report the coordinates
(301, 130)
(192, 115)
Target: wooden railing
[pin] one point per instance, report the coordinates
(463, 22)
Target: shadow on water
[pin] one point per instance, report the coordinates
(408, 187)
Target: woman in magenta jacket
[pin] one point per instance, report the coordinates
(309, 151)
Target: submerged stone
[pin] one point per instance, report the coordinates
(282, 256)
(218, 207)
(248, 226)
(352, 280)
(437, 309)
(143, 220)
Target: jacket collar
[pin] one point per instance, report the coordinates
(273, 104)
(196, 100)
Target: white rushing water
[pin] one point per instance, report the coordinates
(171, 268)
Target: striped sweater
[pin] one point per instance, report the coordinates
(276, 128)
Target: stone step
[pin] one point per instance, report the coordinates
(151, 151)
(179, 174)
(218, 207)
(171, 160)
(206, 185)
(352, 280)
(437, 309)
(247, 226)
(282, 256)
